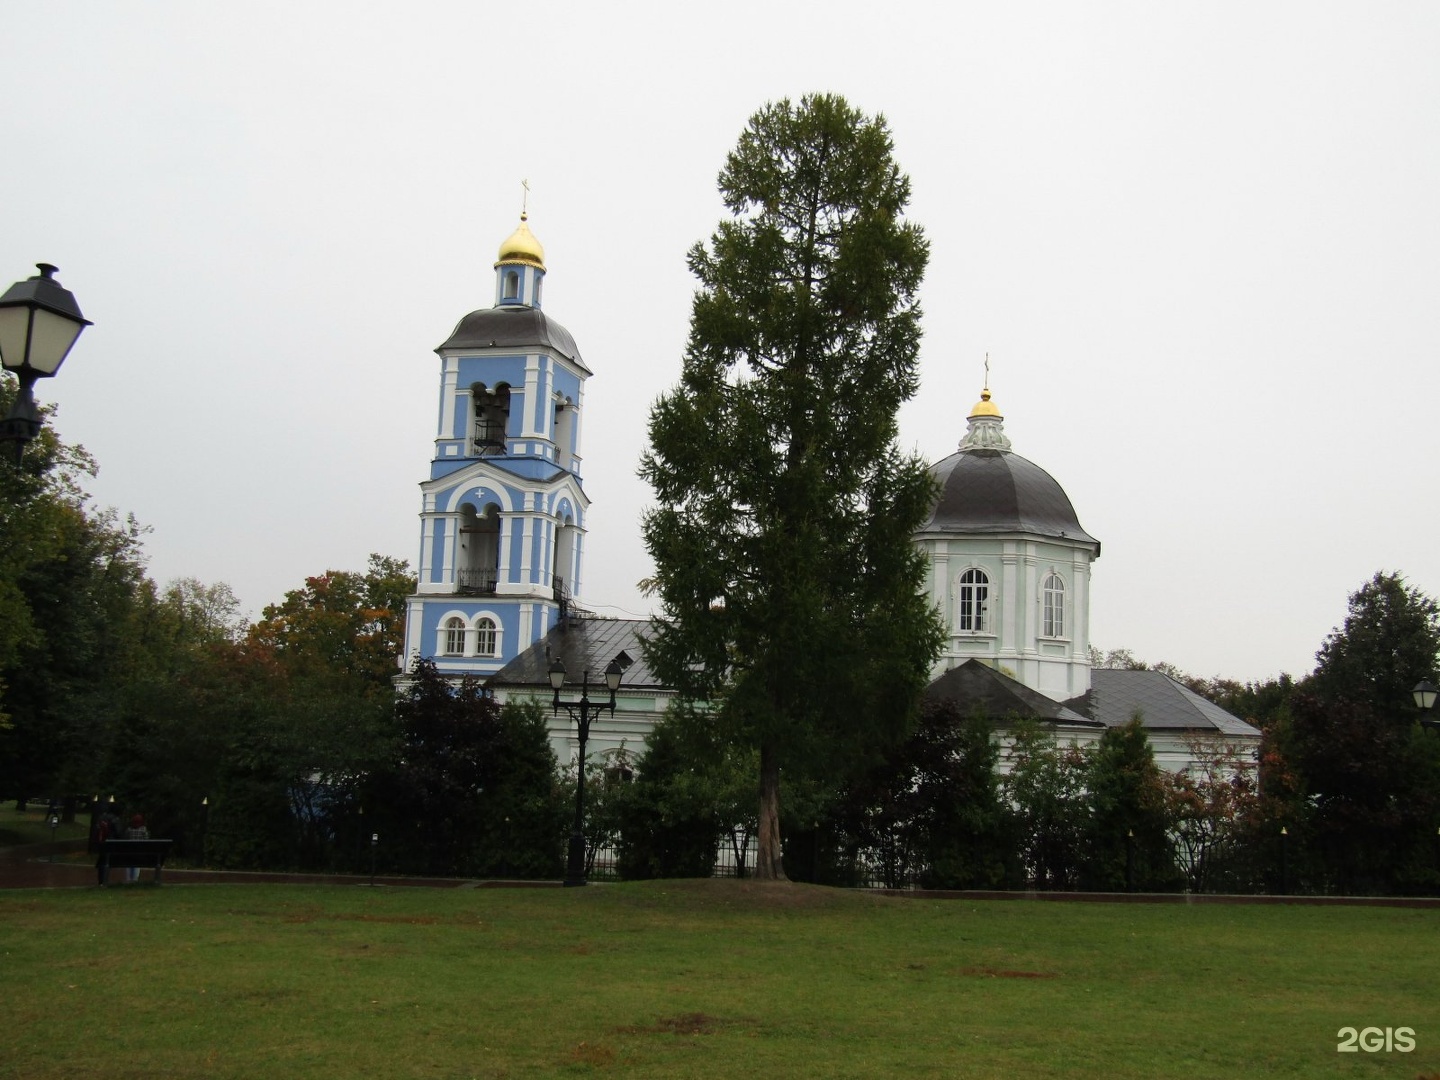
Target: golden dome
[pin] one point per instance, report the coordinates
(522, 247)
(985, 407)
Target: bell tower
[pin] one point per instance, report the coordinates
(502, 519)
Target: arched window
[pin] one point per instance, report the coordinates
(491, 409)
(562, 573)
(565, 415)
(485, 637)
(974, 600)
(512, 285)
(1053, 623)
(455, 636)
(478, 563)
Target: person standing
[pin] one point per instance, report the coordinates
(136, 831)
(108, 828)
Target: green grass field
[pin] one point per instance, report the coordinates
(699, 979)
(33, 827)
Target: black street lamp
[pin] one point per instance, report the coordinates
(1424, 694)
(39, 322)
(1284, 861)
(581, 711)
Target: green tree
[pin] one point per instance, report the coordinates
(671, 814)
(784, 510)
(1046, 786)
(72, 592)
(309, 717)
(1127, 840)
(472, 788)
(1389, 641)
(931, 810)
(1364, 813)
(1370, 805)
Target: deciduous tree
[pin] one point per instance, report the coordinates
(784, 510)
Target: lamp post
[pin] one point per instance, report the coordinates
(1424, 695)
(1284, 861)
(581, 711)
(204, 826)
(39, 322)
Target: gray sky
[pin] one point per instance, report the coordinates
(1201, 243)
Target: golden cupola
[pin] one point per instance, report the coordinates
(522, 247)
(985, 407)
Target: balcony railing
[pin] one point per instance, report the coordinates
(477, 582)
(488, 437)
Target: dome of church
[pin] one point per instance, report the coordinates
(996, 491)
(522, 247)
(512, 327)
(985, 488)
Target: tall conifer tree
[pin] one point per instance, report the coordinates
(784, 510)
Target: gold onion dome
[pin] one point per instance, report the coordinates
(522, 247)
(985, 407)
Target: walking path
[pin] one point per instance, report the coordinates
(33, 867)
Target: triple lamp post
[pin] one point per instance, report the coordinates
(39, 322)
(581, 712)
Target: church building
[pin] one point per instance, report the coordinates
(502, 520)
(1009, 570)
(502, 529)
(1009, 563)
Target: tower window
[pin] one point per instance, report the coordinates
(492, 416)
(485, 637)
(512, 285)
(455, 637)
(1053, 623)
(564, 432)
(974, 597)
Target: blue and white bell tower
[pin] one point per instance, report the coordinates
(502, 524)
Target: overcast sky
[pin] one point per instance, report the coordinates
(1201, 243)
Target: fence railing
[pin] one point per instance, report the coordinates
(477, 582)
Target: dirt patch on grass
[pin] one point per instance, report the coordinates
(689, 1024)
(1006, 973)
(696, 1023)
(593, 1054)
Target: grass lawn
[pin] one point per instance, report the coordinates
(33, 826)
(699, 979)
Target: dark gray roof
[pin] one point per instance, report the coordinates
(584, 645)
(515, 326)
(995, 491)
(975, 684)
(1164, 704)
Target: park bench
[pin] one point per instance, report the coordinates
(141, 854)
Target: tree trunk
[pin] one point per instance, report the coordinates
(768, 864)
